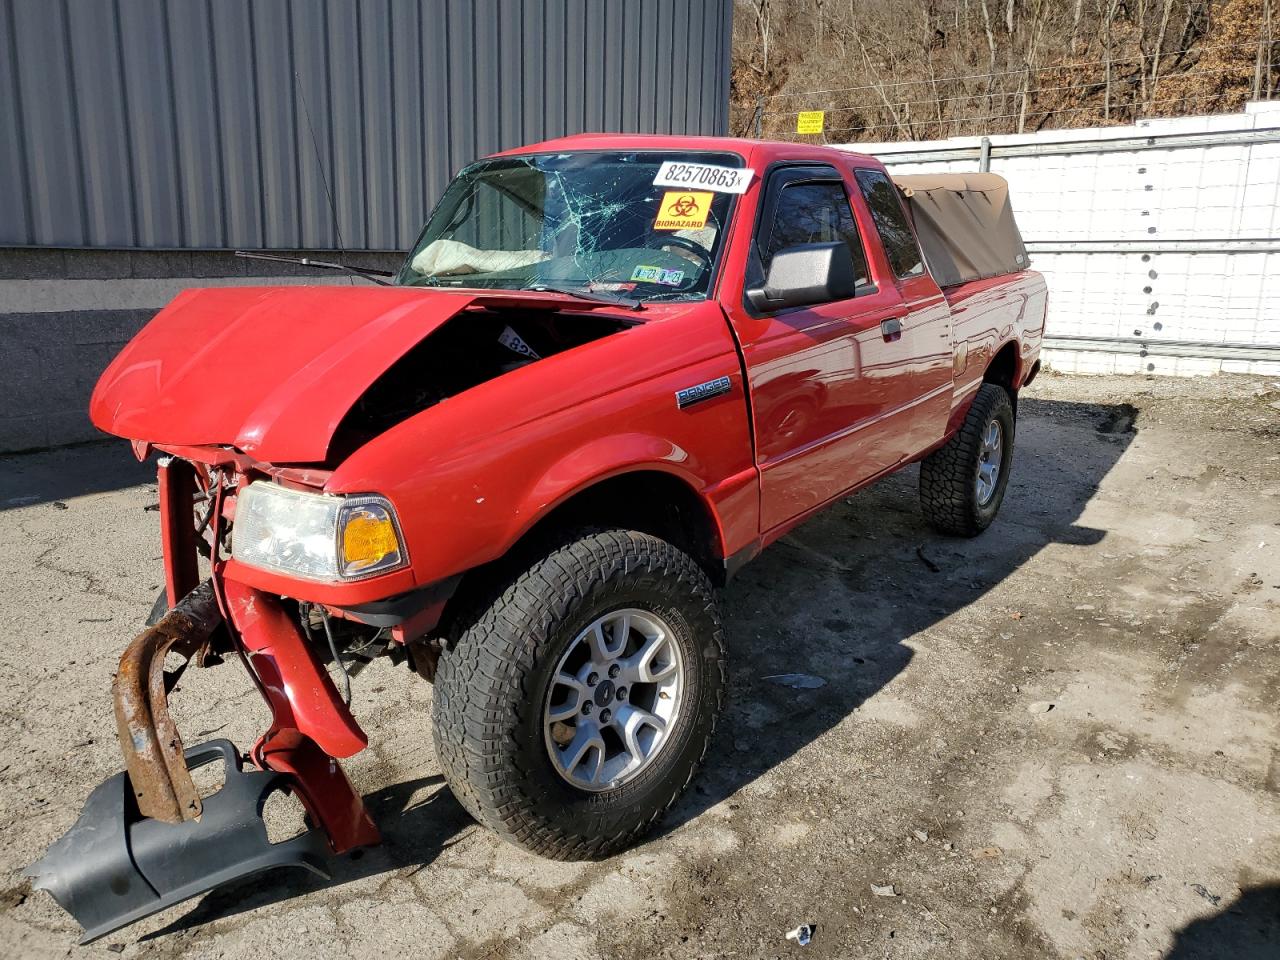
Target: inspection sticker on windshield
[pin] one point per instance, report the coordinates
(683, 211)
(668, 278)
(514, 342)
(702, 176)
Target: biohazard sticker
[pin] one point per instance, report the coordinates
(683, 211)
(647, 274)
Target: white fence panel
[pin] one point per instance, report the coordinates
(1160, 241)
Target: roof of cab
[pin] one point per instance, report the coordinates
(757, 153)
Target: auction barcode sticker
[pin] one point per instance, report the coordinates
(702, 176)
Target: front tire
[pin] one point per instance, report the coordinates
(575, 702)
(962, 484)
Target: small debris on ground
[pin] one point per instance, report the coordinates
(985, 853)
(886, 891)
(921, 835)
(801, 934)
(933, 567)
(1213, 898)
(1016, 615)
(1039, 706)
(1112, 741)
(797, 681)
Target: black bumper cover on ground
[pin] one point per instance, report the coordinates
(115, 866)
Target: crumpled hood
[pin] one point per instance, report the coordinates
(268, 370)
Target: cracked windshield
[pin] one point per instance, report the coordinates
(591, 223)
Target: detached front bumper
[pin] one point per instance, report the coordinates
(145, 839)
(115, 866)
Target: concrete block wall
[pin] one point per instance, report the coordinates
(1174, 244)
(64, 314)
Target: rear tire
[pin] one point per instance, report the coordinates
(960, 492)
(500, 684)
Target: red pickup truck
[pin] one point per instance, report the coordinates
(611, 371)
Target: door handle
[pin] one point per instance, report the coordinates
(892, 328)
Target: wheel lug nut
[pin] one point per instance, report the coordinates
(593, 679)
(614, 670)
(586, 708)
(621, 693)
(604, 716)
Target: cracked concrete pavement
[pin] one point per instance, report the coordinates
(1129, 595)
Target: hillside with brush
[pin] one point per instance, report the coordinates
(926, 69)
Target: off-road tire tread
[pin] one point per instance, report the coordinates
(947, 474)
(489, 655)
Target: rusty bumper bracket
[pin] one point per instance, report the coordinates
(149, 739)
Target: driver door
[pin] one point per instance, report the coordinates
(821, 376)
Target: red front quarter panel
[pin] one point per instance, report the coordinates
(470, 475)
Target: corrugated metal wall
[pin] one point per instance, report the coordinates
(207, 123)
(1160, 242)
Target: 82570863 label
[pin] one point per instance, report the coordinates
(702, 176)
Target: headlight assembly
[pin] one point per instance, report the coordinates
(315, 536)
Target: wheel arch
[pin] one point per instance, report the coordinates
(1005, 368)
(644, 497)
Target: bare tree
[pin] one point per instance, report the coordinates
(892, 69)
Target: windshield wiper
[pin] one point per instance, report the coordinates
(629, 302)
(371, 275)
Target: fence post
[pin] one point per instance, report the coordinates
(984, 155)
(759, 118)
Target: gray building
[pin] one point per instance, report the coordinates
(141, 141)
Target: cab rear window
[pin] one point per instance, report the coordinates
(891, 223)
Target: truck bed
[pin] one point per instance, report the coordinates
(989, 313)
(959, 292)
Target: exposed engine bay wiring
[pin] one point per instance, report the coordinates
(333, 649)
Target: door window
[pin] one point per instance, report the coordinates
(812, 212)
(891, 223)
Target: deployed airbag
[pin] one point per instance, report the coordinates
(442, 258)
(965, 225)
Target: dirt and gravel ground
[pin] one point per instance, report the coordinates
(1056, 740)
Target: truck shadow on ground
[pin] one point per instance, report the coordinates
(1248, 929)
(838, 597)
(52, 476)
(835, 599)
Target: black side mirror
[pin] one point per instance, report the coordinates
(805, 274)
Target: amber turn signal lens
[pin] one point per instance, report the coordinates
(369, 540)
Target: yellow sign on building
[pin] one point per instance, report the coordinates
(810, 121)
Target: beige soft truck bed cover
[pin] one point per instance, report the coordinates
(965, 224)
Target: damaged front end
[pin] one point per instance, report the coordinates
(146, 839)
